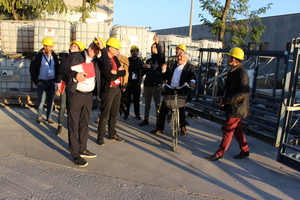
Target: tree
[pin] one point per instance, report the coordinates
(233, 22)
(85, 9)
(30, 9)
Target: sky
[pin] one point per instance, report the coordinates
(161, 14)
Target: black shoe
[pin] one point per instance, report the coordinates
(138, 117)
(155, 131)
(213, 157)
(59, 130)
(100, 141)
(242, 155)
(125, 117)
(39, 120)
(88, 154)
(80, 162)
(116, 138)
(50, 121)
(143, 123)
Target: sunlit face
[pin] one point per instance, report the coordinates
(74, 48)
(178, 50)
(230, 61)
(93, 50)
(134, 53)
(48, 49)
(154, 49)
(182, 58)
(113, 51)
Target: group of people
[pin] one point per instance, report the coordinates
(101, 70)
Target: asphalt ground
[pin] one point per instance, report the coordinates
(36, 164)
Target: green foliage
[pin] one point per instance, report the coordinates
(30, 9)
(240, 23)
(91, 6)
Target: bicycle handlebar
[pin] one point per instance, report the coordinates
(174, 88)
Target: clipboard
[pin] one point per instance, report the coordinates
(86, 68)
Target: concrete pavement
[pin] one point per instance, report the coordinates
(143, 161)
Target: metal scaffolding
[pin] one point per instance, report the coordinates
(266, 71)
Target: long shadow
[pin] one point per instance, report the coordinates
(190, 143)
(49, 130)
(252, 169)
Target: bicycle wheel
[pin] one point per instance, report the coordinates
(175, 128)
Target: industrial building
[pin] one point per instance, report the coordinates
(277, 37)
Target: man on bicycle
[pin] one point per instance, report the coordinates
(176, 76)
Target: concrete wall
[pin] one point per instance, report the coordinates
(279, 31)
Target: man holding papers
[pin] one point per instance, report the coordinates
(81, 75)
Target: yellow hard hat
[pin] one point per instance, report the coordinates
(80, 45)
(134, 47)
(102, 40)
(48, 42)
(237, 52)
(113, 42)
(182, 47)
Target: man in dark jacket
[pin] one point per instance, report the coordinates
(134, 82)
(44, 73)
(152, 70)
(178, 74)
(235, 103)
(79, 90)
(112, 73)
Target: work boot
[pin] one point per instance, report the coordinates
(59, 130)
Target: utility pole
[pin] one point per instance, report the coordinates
(191, 18)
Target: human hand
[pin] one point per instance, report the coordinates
(81, 76)
(164, 67)
(113, 71)
(192, 85)
(155, 39)
(121, 68)
(100, 44)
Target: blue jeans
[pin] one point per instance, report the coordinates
(62, 109)
(45, 91)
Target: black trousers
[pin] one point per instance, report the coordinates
(133, 90)
(79, 110)
(163, 111)
(110, 105)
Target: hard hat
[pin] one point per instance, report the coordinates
(102, 40)
(113, 42)
(48, 42)
(182, 47)
(79, 44)
(134, 47)
(237, 52)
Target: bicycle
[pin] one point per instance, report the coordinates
(174, 101)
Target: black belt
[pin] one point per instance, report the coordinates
(85, 93)
(114, 86)
(49, 80)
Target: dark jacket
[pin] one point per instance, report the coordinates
(136, 67)
(236, 93)
(69, 75)
(188, 74)
(105, 66)
(154, 76)
(35, 66)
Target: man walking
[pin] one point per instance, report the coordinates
(235, 103)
